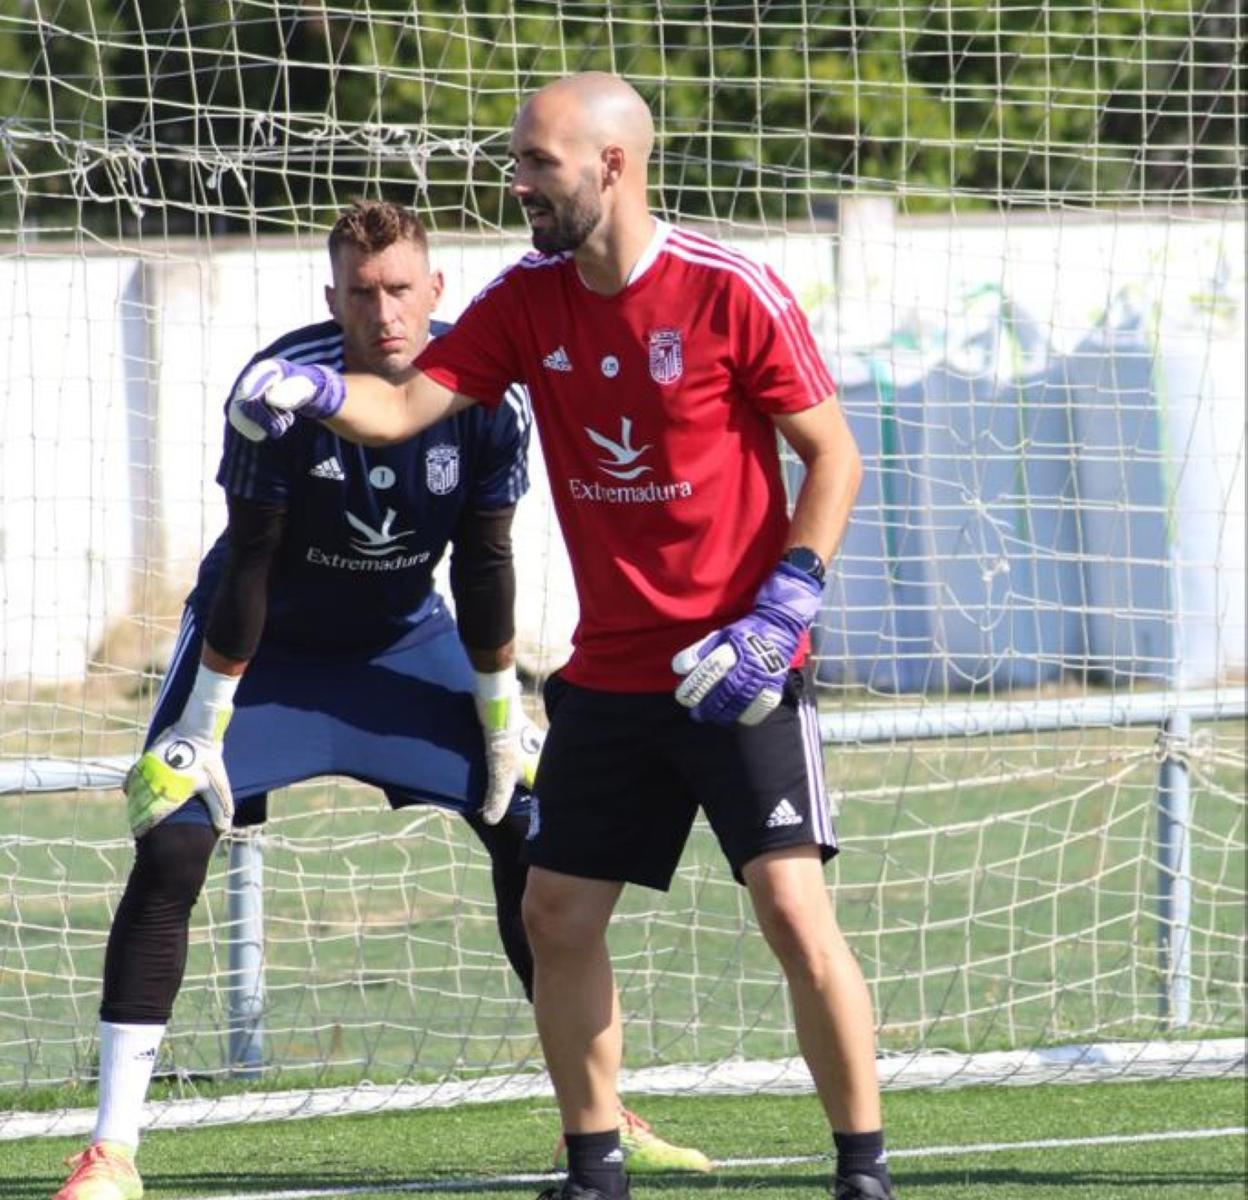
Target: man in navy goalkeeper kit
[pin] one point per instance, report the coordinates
(315, 644)
(661, 366)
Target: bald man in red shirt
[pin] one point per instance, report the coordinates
(660, 365)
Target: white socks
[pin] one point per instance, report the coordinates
(127, 1058)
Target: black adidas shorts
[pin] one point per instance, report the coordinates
(622, 776)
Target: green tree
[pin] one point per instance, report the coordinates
(137, 117)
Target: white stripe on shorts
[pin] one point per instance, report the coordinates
(187, 633)
(812, 744)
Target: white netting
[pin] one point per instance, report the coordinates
(1019, 235)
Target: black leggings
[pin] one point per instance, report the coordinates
(146, 954)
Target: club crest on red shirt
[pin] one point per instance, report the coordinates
(667, 358)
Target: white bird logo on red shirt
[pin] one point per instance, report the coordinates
(622, 453)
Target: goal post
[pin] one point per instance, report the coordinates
(1018, 234)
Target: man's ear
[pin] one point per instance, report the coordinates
(330, 296)
(436, 285)
(612, 164)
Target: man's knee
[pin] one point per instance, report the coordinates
(794, 915)
(792, 930)
(549, 924)
(147, 943)
(565, 914)
(170, 865)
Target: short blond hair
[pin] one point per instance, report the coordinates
(374, 225)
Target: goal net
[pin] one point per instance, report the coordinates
(1018, 233)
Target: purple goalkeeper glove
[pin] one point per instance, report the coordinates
(273, 390)
(737, 673)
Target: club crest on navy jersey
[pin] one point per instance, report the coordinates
(442, 469)
(667, 358)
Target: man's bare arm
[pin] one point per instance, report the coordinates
(737, 673)
(377, 413)
(273, 393)
(822, 440)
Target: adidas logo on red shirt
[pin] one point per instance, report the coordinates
(557, 360)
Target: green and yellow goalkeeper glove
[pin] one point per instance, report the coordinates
(513, 744)
(185, 760)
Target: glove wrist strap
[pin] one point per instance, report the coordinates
(494, 693)
(209, 706)
(791, 597)
(331, 393)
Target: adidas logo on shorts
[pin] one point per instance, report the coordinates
(783, 814)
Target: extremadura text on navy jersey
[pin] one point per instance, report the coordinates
(364, 526)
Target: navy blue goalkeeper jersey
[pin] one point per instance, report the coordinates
(365, 526)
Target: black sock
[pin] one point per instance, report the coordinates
(861, 1154)
(595, 1160)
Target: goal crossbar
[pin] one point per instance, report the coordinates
(861, 726)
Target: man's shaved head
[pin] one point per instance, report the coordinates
(597, 108)
(582, 149)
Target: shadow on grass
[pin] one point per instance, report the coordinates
(1016, 1184)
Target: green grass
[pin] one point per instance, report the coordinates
(483, 1148)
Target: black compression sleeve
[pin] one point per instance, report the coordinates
(238, 610)
(483, 578)
(146, 954)
(508, 873)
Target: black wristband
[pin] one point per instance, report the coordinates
(806, 561)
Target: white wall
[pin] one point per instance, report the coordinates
(65, 550)
(115, 374)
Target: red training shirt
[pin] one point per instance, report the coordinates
(653, 407)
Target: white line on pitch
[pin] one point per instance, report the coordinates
(382, 1187)
(1109, 1139)
(504, 1181)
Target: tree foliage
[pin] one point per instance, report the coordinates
(190, 116)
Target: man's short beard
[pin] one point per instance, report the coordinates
(569, 229)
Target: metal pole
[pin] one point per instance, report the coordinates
(1174, 845)
(245, 914)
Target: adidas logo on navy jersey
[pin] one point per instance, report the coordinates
(329, 469)
(783, 814)
(557, 360)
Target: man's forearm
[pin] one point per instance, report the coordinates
(822, 439)
(483, 583)
(824, 502)
(378, 413)
(236, 617)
